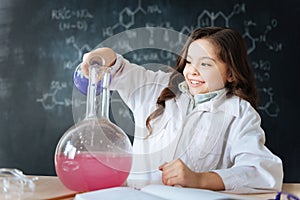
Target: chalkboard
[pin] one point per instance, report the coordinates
(42, 42)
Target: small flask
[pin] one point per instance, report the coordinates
(94, 153)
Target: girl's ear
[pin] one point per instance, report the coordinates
(230, 77)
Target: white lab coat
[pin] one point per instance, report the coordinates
(222, 135)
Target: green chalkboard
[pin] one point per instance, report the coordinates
(42, 42)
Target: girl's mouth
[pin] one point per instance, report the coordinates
(195, 83)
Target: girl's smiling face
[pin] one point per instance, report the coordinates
(204, 71)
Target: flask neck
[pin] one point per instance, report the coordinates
(105, 94)
(91, 93)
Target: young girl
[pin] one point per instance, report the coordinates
(197, 126)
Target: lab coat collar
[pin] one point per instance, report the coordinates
(222, 102)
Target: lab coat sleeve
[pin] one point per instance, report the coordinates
(255, 168)
(138, 87)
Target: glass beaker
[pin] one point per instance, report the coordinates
(15, 185)
(94, 153)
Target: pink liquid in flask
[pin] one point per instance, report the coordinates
(95, 153)
(88, 172)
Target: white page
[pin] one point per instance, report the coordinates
(179, 193)
(117, 193)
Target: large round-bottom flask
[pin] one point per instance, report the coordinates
(94, 153)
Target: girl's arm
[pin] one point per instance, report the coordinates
(177, 173)
(254, 167)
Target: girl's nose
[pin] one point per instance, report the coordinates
(194, 71)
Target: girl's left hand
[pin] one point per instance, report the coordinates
(177, 173)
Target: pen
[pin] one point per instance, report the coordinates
(67, 196)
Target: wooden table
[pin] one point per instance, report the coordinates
(50, 187)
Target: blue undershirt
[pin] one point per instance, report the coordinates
(198, 98)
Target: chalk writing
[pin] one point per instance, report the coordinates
(71, 19)
(80, 19)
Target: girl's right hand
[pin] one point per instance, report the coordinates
(106, 53)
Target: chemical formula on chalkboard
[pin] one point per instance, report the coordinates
(83, 19)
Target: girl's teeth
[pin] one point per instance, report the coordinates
(195, 82)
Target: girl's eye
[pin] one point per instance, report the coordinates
(205, 64)
(188, 62)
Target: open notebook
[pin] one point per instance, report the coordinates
(155, 192)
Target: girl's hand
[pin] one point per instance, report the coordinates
(177, 173)
(106, 53)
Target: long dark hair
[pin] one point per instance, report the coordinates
(231, 49)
